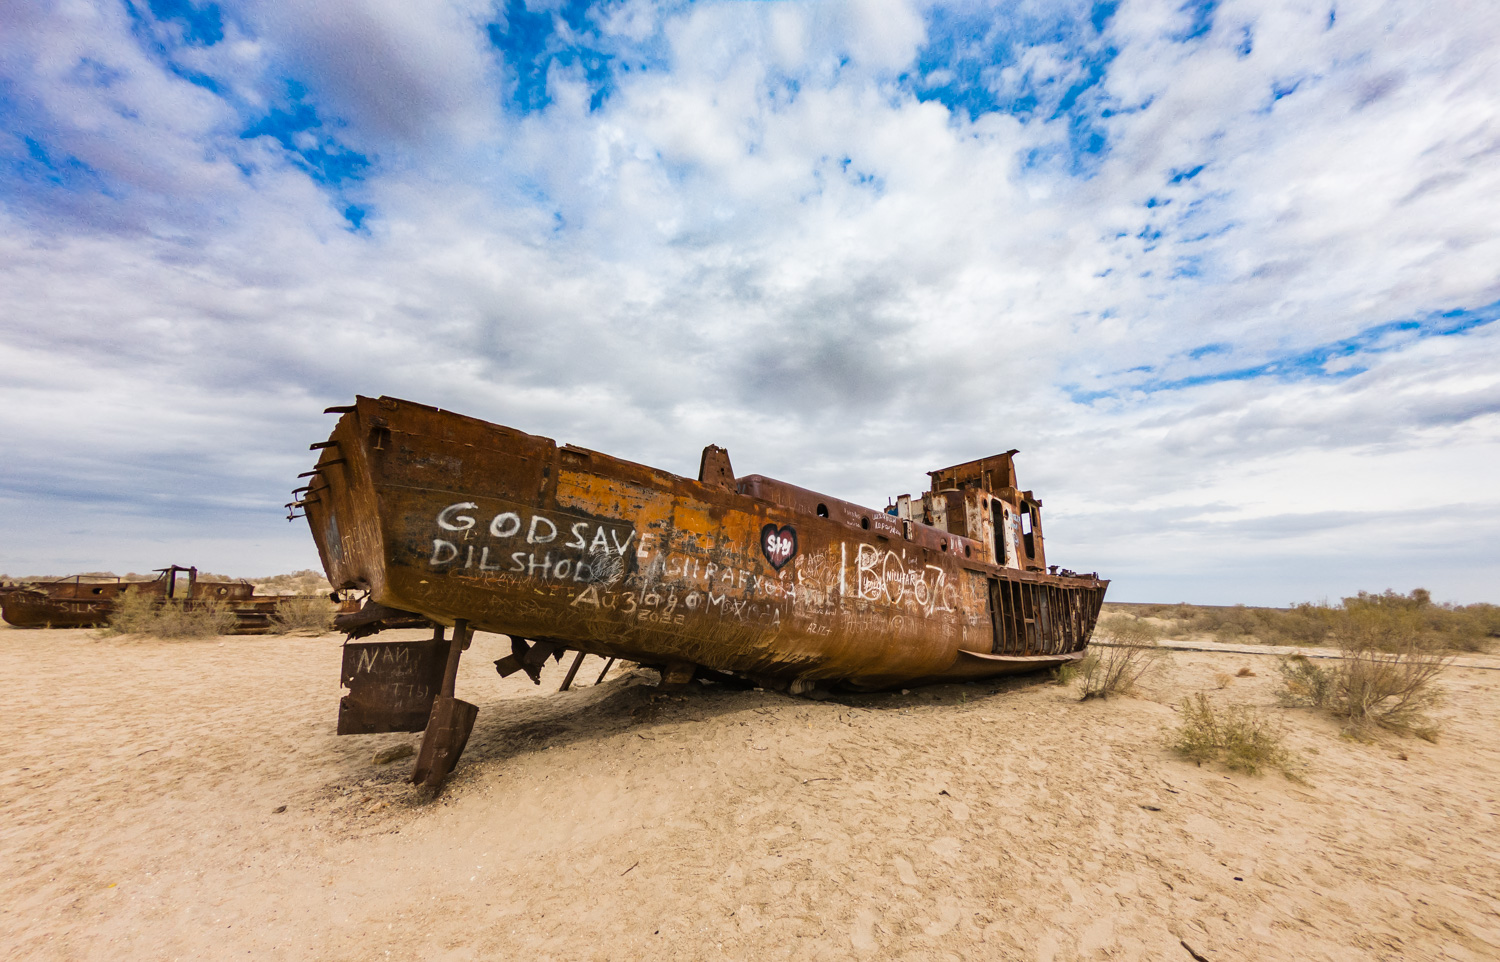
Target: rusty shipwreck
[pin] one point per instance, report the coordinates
(427, 514)
(83, 601)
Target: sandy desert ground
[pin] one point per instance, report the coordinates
(189, 800)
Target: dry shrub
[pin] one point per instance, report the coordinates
(1126, 630)
(1304, 624)
(198, 619)
(136, 613)
(1131, 655)
(304, 582)
(1238, 736)
(1304, 683)
(1223, 679)
(1369, 689)
(313, 613)
(1392, 622)
(1389, 621)
(1116, 670)
(133, 613)
(1245, 672)
(1471, 628)
(1375, 624)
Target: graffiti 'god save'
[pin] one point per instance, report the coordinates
(537, 529)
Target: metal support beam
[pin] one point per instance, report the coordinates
(572, 671)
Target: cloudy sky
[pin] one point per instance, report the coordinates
(1226, 273)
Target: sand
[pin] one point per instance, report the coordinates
(143, 785)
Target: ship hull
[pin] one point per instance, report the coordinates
(30, 609)
(75, 604)
(457, 519)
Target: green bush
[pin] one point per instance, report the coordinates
(1238, 736)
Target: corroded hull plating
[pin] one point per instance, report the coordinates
(468, 522)
(33, 609)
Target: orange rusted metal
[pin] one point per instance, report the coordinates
(451, 519)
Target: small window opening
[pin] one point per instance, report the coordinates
(967, 552)
(997, 516)
(945, 546)
(822, 510)
(864, 523)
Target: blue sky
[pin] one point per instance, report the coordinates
(1226, 273)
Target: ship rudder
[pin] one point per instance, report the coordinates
(451, 720)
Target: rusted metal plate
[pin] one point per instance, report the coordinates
(447, 734)
(391, 685)
(372, 618)
(27, 608)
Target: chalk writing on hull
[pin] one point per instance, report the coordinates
(530, 544)
(593, 554)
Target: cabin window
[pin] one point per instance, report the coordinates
(864, 523)
(1026, 533)
(822, 510)
(997, 519)
(967, 552)
(906, 530)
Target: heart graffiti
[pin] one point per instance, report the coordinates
(779, 544)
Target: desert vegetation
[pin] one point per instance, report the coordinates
(303, 613)
(136, 613)
(304, 582)
(1369, 689)
(1130, 655)
(1389, 621)
(1240, 737)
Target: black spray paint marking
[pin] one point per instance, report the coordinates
(779, 544)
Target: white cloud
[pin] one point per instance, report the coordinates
(767, 241)
(400, 71)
